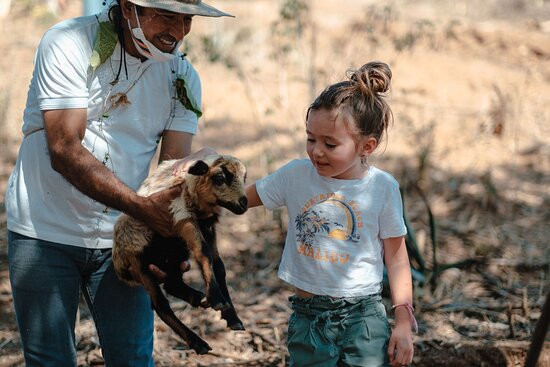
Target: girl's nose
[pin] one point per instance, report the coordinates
(317, 151)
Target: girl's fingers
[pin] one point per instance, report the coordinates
(391, 350)
(411, 354)
(401, 358)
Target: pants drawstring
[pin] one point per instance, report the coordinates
(323, 318)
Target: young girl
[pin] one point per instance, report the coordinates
(345, 221)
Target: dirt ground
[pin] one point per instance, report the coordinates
(470, 142)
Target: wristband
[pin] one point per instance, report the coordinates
(410, 310)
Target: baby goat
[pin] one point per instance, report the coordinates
(215, 181)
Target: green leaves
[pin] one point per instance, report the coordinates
(104, 45)
(184, 95)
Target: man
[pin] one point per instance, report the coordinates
(105, 91)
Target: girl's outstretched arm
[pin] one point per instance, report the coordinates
(400, 349)
(252, 196)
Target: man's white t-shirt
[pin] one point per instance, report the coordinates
(40, 203)
(334, 242)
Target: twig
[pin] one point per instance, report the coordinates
(511, 322)
(539, 335)
(520, 264)
(239, 361)
(525, 303)
(5, 342)
(256, 332)
(470, 306)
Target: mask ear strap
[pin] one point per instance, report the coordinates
(140, 44)
(137, 17)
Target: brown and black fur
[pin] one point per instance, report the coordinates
(216, 181)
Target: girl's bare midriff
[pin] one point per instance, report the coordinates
(303, 294)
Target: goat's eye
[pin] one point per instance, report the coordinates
(218, 179)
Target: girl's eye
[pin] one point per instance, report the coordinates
(310, 140)
(330, 146)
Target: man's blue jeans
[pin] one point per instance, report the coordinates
(46, 280)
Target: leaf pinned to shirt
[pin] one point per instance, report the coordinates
(104, 45)
(185, 96)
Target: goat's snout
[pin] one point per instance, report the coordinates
(243, 201)
(237, 206)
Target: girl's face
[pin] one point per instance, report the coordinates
(332, 148)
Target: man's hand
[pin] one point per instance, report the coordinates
(155, 212)
(161, 276)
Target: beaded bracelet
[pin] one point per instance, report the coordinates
(410, 310)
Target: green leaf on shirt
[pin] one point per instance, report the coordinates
(185, 96)
(104, 45)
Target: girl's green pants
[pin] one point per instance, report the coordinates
(325, 331)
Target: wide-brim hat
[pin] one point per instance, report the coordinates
(191, 7)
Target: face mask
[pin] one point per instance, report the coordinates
(146, 48)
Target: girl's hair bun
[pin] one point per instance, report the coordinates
(372, 78)
(363, 97)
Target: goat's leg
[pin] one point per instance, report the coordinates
(208, 231)
(165, 312)
(168, 254)
(229, 314)
(176, 287)
(191, 234)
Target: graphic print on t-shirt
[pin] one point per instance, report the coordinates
(331, 221)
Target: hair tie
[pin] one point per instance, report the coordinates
(410, 310)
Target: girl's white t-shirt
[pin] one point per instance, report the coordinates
(124, 124)
(334, 242)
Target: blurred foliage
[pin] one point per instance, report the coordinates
(289, 27)
(421, 272)
(422, 29)
(4, 105)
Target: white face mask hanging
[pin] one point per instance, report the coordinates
(146, 48)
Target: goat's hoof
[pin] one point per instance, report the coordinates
(236, 326)
(218, 303)
(221, 306)
(198, 301)
(201, 347)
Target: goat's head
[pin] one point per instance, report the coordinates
(220, 181)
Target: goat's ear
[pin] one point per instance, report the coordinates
(199, 168)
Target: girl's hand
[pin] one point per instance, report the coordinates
(400, 349)
(182, 165)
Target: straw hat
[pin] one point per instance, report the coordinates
(192, 7)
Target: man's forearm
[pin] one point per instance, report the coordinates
(95, 180)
